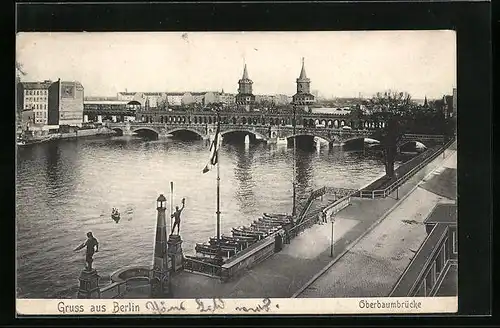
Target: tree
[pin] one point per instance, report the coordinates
(19, 71)
(390, 101)
(391, 135)
(396, 108)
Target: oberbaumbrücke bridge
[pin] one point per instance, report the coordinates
(268, 128)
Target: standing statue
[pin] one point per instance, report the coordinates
(92, 246)
(177, 217)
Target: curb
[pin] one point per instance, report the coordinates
(374, 224)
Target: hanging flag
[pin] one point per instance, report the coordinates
(214, 150)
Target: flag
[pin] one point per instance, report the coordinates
(214, 150)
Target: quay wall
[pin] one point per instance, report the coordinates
(84, 133)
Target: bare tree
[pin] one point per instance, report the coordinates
(396, 105)
(19, 71)
(390, 101)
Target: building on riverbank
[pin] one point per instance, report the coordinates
(53, 103)
(34, 97)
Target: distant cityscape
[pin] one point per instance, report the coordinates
(52, 105)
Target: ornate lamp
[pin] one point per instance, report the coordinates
(161, 203)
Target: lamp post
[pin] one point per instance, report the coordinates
(332, 238)
(160, 283)
(397, 186)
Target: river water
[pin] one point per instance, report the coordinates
(66, 188)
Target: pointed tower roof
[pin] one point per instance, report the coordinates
(303, 75)
(425, 101)
(245, 73)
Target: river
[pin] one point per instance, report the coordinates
(66, 188)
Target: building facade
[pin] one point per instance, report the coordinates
(71, 103)
(227, 99)
(152, 100)
(303, 98)
(52, 103)
(34, 96)
(245, 97)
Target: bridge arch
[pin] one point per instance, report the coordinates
(255, 133)
(404, 143)
(145, 128)
(198, 133)
(306, 134)
(119, 131)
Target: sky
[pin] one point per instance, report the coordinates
(339, 64)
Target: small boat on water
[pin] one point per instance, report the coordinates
(115, 215)
(21, 142)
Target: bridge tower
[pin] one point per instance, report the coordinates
(303, 98)
(245, 95)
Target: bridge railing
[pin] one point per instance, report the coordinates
(425, 158)
(113, 290)
(314, 194)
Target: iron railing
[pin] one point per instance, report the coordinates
(427, 156)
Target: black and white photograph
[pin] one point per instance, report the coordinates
(236, 172)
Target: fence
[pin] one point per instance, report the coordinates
(425, 159)
(336, 207)
(113, 290)
(425, 273)
(315, 194)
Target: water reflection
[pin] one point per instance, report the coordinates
(243, 173)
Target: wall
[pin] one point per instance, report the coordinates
(259, 252)
(71, 109)
(53, 103)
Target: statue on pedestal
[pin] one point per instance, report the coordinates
(177, 217)
(92, 247)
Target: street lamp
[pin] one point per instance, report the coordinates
(332, 242)
(161, 203)
(397, 187)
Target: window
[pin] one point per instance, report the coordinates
(44, 114)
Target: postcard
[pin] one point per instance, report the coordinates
(236, 173)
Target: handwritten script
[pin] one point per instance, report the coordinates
(264, 306)
(210, 306)
(161, 307)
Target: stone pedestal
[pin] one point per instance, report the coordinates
(89, 284)
(175, 252)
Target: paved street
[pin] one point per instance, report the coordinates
(383, 254)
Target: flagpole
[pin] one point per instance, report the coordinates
(218, 187)
(171, 202)
(294, 211)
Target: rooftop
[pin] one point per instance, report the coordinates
(37, 85)
(443, 213)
